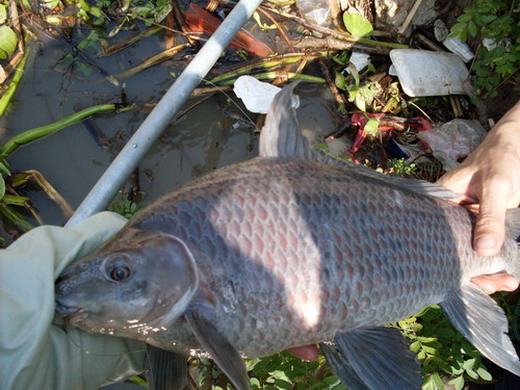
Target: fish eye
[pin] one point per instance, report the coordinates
(119, 273)
(117, 268)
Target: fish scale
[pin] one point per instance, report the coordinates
(288, 253)
(293, 219)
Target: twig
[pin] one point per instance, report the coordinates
(179, 18)
(340, 99)
(409, 18)
(337, 44)
(13, 15)
(124, 43)
(280, 28)
(49, 190)
(211, 90)
(154, 60)
(337, 34)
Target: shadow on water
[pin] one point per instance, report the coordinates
(72, 160)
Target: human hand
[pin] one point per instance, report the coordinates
(490, 176)
(36, 353)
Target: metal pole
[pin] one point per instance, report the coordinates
(153, 126)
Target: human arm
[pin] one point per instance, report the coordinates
(490, 176)
(34, 352)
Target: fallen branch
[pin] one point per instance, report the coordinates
(337, 44)
(50, 191)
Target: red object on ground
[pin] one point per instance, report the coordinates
(200, 20)
(360, 119)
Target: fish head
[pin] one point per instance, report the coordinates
(139, 282)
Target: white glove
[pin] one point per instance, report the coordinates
(34, 352)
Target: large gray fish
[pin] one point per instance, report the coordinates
(279, 252)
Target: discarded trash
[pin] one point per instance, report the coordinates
(453, 44)
(198, 19)
(256, 95)
(359, 60)
(453, 140)
(429, 73)
(315, 10)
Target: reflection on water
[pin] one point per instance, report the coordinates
(206, 138)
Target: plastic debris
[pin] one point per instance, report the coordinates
(359, 60)
(315, 10)
(453, 140)
(198, 19)
(453, 44)
(256, 95)
(429, 73)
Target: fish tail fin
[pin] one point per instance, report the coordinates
(513, 225)
(483, 323)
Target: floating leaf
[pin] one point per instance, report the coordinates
(357, 25)
(7, 42)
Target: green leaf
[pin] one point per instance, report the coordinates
(372, 126)
(7, 42)
(458, 382)
(415, 346)
(340, 81)
(15, 200)
(469, 364)
(4, 167)
(484, 374)
(472, 28)
(2, 188)
(357, 25)
(426, 339)
(472, 374)
(437, 380)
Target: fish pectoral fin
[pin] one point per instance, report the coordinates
(380, 358)
(483, 323)
(341, 367)
(221, 351)
(167, 369)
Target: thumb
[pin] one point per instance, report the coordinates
(490, 225)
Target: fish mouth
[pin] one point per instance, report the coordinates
(69, 315)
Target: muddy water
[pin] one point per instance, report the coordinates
(206, 138)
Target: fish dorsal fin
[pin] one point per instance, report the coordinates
(483, 323)
(513, 222)
(167, 369)
(281, 137)
(341, 367)
(380, 357)
(420, 187)
(202, 322)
